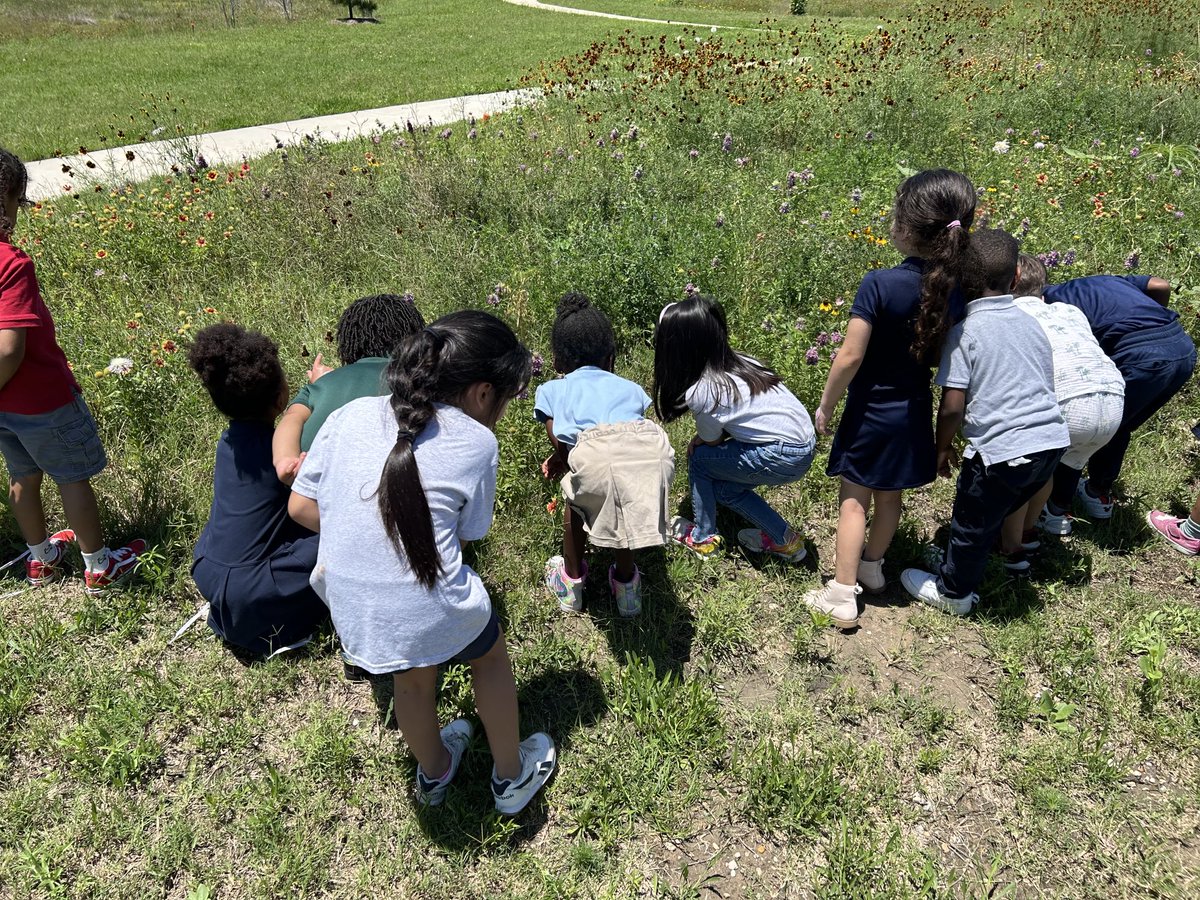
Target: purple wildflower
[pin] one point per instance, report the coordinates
(767, 325)
(835, 337)
(785, 207)
(1024, 227)
(1149, 52)
(869, 136)
(1009, 131)
(801, 323)
(1132, 260)
(472, 134)
(522, 168)
(727, 143)
(614, 135)
(856, 196)
(493, 299)
(1069, 258)
(201, 162)
(791, 180)
(690, 290)
(408, 297)
(806, 174)
(537, 364)
(811, 356)
(638, 173)
(618, 155)
(1050, 259)
(720, 220)
(822, 339)
(825, 214)
(376, 139)
(633, 133)
(533, 135)
(1135, 152)
(741, 161)
(716, 261)
(599, 142)
(1038, 145)
(832, 355)
(693, 153)
(1178, 213)
(445, 133)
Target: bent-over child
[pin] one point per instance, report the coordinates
(997, 378)
(1132, 322)
(46, 427)
(417, 604)
(252, 563)
(615, 465)
(750, 429)
(368, 332)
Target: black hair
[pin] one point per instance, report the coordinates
(375, 326)
(691, 341)
(582, 334)
(13, 182)
(240, 370)
(991, 263)
(1031, 277)
(437, 364)
(934, 211)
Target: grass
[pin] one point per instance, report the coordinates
(725, 744)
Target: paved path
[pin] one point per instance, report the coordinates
(536, 4)
(50, 178)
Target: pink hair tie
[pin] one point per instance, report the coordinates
(954, 224)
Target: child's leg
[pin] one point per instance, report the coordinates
(625, 567)
(83, 514)
(1036, 505)
(415, 707)
(25, 498)
(884, 523)
(1012, 530)
(496, 702)
(979, 512)
(728, 473)
(851, 531)
(574, 542)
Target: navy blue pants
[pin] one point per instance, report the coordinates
(265, 605)
(985, 498)
(1155, 364)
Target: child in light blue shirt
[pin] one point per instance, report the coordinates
(616, 466)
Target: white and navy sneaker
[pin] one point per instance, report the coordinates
(455, 736)
(924, 587)
(538, 758)
(1097, 506)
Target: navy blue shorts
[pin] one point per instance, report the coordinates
(477, 648)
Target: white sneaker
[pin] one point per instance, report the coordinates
(538, 758)
(838, 601)
(455, 736)
(870, 576)
(924, 587)
(1059, 526)
(1097, 507)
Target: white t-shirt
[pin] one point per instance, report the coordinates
(774, 415)
(1080, 366)
(385, 618)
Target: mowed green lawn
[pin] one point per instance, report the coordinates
(110, 72)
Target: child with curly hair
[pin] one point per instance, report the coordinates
(368, 332)
(252, 562)
(45, 426)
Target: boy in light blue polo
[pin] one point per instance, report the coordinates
(616, 466)
(997, 378)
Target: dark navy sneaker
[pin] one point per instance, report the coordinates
(538, 758)
(456, 736)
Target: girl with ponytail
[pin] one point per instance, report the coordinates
(884, 443)
(414, 472)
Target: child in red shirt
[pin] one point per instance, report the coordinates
(45, 427)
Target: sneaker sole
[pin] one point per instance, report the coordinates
(1183, 551)
(711, 554)
(117, 582)
(798, 556)
(873, 591)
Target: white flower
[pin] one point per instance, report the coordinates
(1000, 146)
(1038, 145)
(120, 365)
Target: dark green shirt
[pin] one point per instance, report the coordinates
(334, 390)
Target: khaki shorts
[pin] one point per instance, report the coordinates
(619, 483)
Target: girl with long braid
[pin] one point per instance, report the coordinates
(416, 470)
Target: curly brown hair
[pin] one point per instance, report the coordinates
(240, 369)
(13, 181)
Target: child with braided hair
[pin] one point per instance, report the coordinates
(416, 471)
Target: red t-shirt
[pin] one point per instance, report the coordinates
(43, 381)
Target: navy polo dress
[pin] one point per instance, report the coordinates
(884, 439)
(252, 562)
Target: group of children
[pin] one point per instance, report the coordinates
(396, 448)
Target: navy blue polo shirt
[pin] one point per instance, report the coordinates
(1115, 305)
(249, 519)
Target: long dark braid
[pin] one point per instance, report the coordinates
(438, 364)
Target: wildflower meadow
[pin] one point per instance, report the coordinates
(727, 743)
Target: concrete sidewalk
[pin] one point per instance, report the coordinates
(49, 178)
(550, 7)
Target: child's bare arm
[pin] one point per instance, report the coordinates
(1159, 290)
(305, 511)
(949, 420)
(12, 353)
(555, 465)
(285, 445)
(843, 370)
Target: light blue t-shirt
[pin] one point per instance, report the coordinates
(1000, 356)
(588, 397)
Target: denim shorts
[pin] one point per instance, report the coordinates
(63, 443)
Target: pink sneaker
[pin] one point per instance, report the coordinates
(1168, 527)
(37, 572)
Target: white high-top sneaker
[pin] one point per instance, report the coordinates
(870, 576)
(838, 601)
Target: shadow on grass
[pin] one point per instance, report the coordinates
(665, 630)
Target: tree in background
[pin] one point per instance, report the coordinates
(364, 7)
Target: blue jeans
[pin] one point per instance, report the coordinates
(728, 473)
